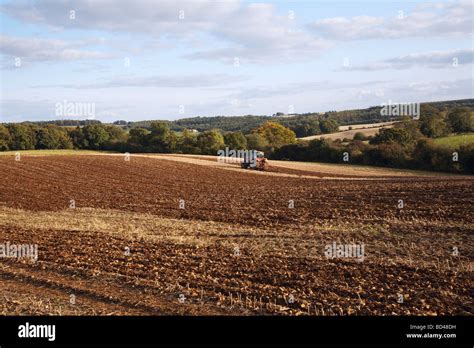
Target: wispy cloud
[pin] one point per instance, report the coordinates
(251, 32)
(143, 59)
(31, 50)
(162, 81)
(441, 19)
(433, 60)
(295, 88)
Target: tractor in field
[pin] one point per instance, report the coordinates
(254, 160)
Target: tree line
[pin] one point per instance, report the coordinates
(409, 144)
(158, 138)
(303, 125)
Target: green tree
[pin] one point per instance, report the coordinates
(138, 137)
(235, 140)
(96, 136)
(116, 134)
(429, 156)
(304, 128)
(276, 134)
(391, 136)
(45, 140)
(65, 141)
(210, 142)
(432, 122)
(117, 138)
(329, 126)
(322, 150)
(172, 142)
(256, 142)
(159, 130)
(466, 157)
(390, 154)
(23, 136)
(78, 139)
(52, 137)
(161, 139)
(411, 126)
(460, 119)
(187, 143)
(5, 138)
(360, 136)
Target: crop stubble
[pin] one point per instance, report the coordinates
(191, 251)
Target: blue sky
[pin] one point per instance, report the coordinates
(217, 57)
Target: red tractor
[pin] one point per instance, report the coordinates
(254, 160)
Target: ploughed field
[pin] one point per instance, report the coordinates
(161, 235)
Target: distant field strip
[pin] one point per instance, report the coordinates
(348, 134)
(455, 141)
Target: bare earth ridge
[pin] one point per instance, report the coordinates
(178, 234)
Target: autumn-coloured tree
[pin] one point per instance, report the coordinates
(276, 134)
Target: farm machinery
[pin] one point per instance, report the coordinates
(254, 160)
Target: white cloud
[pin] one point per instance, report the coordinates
(35, 49)
(154, 17)
(255, 33)
(295, 88)
(153, 36)
(445, 19)
(252, 32)
(433, 60)
(161, 81)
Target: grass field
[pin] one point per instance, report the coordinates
(186, 235)
(455, 141)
